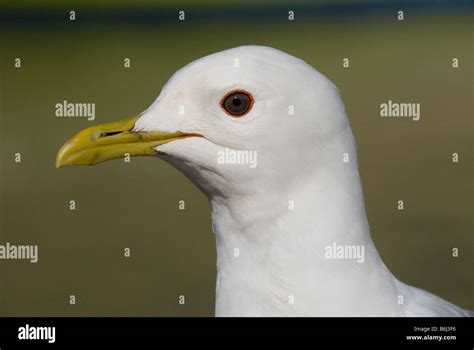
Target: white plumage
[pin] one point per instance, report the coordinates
(273, 222)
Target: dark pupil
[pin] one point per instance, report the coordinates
(237, 103)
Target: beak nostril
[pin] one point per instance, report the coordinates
(112, 133)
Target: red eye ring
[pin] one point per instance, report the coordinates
(237, 103)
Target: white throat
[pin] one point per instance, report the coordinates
(272, 248)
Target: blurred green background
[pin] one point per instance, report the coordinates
(135, 205)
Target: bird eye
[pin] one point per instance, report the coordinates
(237, 103)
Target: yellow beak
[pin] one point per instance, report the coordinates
(111, 140)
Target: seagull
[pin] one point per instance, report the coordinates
(283, 225)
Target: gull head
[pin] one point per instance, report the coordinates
(235, 122)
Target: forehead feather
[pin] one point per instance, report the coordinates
(243, 64)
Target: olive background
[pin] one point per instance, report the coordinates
(135, 205)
